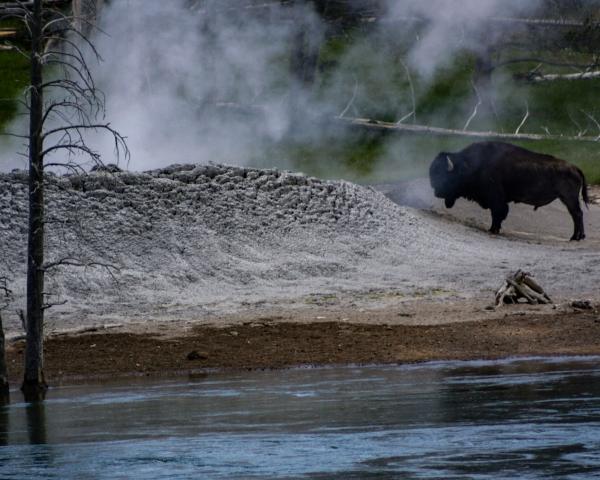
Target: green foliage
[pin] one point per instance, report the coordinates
(371, 71)
(450, 87)
(366, 76)
(14, 76)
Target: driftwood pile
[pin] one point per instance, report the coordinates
(521, 285)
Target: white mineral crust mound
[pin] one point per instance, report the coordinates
(188, 241)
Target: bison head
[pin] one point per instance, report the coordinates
(446, 177)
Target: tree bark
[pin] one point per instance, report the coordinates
(85, 13)
(3, 368)
(34, 384)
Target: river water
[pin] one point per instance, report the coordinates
(533, 418)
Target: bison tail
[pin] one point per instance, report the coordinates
(584, 189)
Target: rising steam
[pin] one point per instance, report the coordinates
(167, 67)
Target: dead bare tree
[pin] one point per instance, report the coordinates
(61, 110)
(5, 295)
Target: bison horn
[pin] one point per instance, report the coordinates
(450, 164)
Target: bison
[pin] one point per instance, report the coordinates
(495, 173)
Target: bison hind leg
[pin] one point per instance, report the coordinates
(499, 214)
(572, 204)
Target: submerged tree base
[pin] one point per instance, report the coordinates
(34, 391)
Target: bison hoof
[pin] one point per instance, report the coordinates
(494, 230)
(449, 202)
(576, 238)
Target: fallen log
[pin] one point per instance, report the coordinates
(440, 131)
(550, 77)
(377, 125)
(8, 33)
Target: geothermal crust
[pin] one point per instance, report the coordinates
(189, 241)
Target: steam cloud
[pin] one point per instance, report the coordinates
(453, 25)
(166, 67)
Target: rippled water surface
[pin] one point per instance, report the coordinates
(537, 418)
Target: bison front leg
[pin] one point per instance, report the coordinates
(499, 214)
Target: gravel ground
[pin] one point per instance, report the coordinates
(190, 242)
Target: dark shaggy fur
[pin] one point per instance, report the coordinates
(494, 174)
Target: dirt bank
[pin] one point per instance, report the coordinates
(385, 336)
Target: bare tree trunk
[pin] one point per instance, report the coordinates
(37, 425)
(34, 384)
(85, 13)
(305, 56)
(3, 368)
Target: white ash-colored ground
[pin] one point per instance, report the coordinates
(195, 241)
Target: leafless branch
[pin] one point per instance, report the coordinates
(591, 117)
(73, 167)
(351, 102)
(19, 50)
(74, 262)
(48, 304)
(524, 119)
(580, 131)
(15, 135)
(413, 112)
(475, 109)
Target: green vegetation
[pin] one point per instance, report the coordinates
(365, 75)
(14, 74)
(374, 75)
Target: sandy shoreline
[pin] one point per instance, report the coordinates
(416, 332)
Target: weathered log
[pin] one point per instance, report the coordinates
(550, 77)
(7, 33)
(521, 291)
(520, 285)
(369, 124)
(399, 128)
